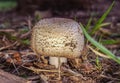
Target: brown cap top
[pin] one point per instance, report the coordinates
(59, 37)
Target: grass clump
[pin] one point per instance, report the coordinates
(95, 29)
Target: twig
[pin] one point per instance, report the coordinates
(29, 23)
(15, 67)
(111, 78)
(25, 35)
(6, 47)
(39, 70)
(33, 77)
(29, 26)
(12, 61)
(98, 53)
(113, 46)
(27, 53)
(74, 73)
(6, 77)
(7, 30)
(44, 78)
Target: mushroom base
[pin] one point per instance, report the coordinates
(55, 61)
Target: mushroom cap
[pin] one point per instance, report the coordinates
(58, 37)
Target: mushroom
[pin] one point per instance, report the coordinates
(58, 38)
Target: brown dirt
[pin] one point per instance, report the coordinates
(17, 57)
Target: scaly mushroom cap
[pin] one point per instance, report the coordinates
(58, 37)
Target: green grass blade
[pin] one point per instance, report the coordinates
(88, 24)
(104, 24)
(110, 41)
(99, 22)
(98, 45)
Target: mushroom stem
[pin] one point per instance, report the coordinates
(56, 61)
(59, 71)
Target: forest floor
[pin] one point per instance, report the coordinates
(17, 57)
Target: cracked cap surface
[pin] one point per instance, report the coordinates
(58, 37)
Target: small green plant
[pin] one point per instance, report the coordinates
(25, 41)
(98, 64)
(110, 41)
(97, 26)
(99, 22)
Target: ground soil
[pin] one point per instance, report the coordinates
(16, 56)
